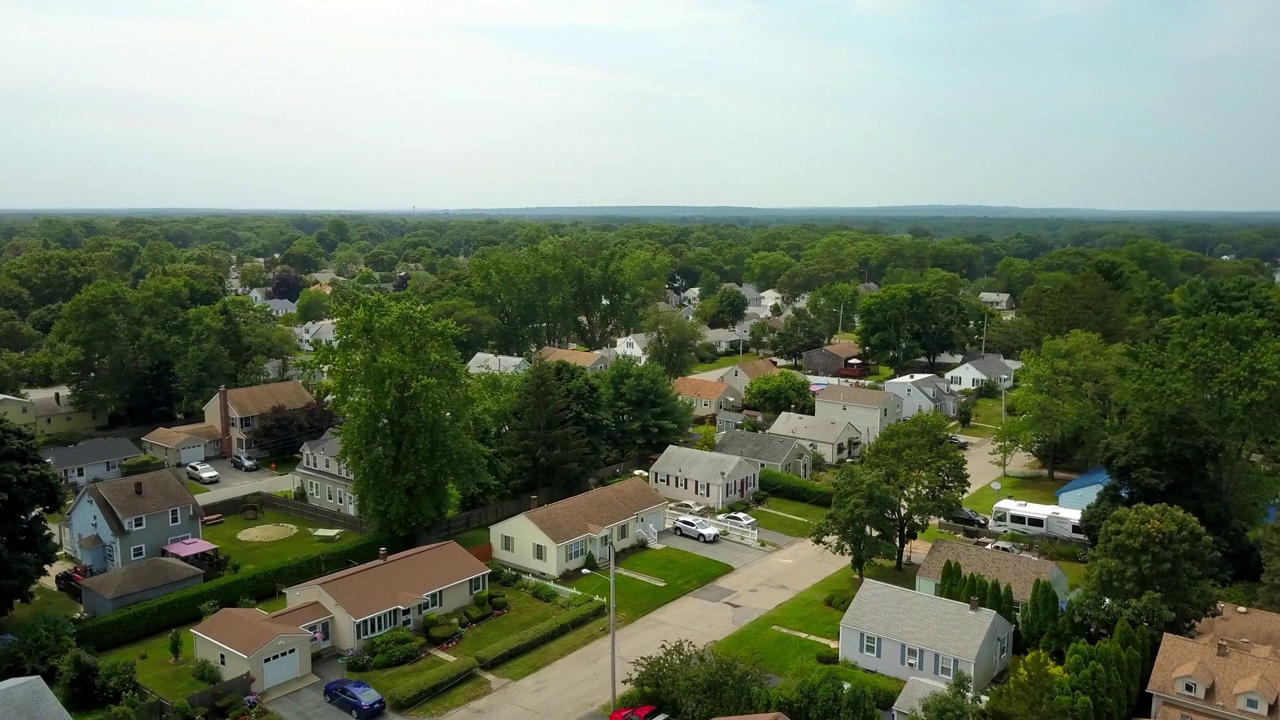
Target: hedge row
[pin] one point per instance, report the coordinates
(522, 642)
(884, 690)
(794, 487)
(421, 687)
(180, 608)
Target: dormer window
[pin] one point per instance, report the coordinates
(1252, 704)
(1190, 688)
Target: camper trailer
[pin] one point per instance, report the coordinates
(1032, 519)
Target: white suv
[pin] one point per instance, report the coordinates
(202, 473)
(695, 527)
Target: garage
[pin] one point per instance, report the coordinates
(188, 454)
(281, 667)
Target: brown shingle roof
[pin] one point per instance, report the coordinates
(258, 399)
(304, 614)
(576, 357)
(244, 630)
(400, 580)
(854, 395)
(688, 387)
(1174, 712)
(1223, 676)
(755, 368)
(1020, 571)
(1259, 627)
(137, 577)
(169, 437)
(204, 431)
(117, 499)
(600, 508)
(844, 350)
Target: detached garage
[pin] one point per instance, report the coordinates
(270, 649)
(183, 445)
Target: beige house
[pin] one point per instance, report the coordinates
(710, 478)
(236, 411)
(56, 412)
(707, 397)
(19, 410)
(554, 539)
(740, 375)
(868, 411)
(592, 361)
(835, 440)
(183, 444)
(269, 648)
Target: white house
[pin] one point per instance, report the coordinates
(259, 295)
(97, 459)
(633, 346)
(314, 334)
(553, 539)
(996, 300)
(923, 393)
(870, 411)
(835, 440)
(1081, 492)
(769, 298)
(711, 478)
(483, 362)
(979, 371)
(741, 375)
(906, 634)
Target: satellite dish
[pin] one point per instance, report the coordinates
(995, 485)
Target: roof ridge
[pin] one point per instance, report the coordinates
(348, 572)
(612, 496)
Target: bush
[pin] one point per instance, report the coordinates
(543, 592)
(399, 653)
(760, 497)
(420, 687)
(141, 464)
(206, 672)
(208, 607)
(884, 690)
(500, 603)
(794, 487)
(182, 709)
(477, 614)
(838, 600)
(497, 593)
(828, 656)
(185, 606)
(480, 599)
(430, 620)
(502, 575)
(78, 670)
(706, 353)
(359, 661)
(441, 633)
(590, 563)
(515, 645)
(390, 638)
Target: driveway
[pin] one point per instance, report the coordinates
(308, 703)
(232, 477)
(726, 551)
(983, 469)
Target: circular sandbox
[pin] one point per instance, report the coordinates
(267, 533)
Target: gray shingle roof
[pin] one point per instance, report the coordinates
(118, 499)
(756, 446)
(944, 626)
(92, 451)
(915, 692)
(328, 444)
(483, 362)
(140, 576)
(991, 366)
(852, 395)
(698, 464)
(29, 698)
(808, 427)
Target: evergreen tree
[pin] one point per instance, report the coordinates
(993, 597)
(1007, 606)
(945, 583)
(966, 588)
(979, 589)
(545, 446)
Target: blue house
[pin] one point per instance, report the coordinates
(1079, 493)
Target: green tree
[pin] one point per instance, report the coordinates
(1269, 590)
(396, 379)
(835, 307)
(778, 393)
(672, 343)
(175, 644)
(253, 275)
(305, 255)
(282, 429)
(313, 305)
(800, 333)
(886, 324)
(694, 682)
(41, 641)
(725, 309)
(1031, 692)
(820, 694)
(764, 268)
(381, 260)
(957, 702)
(645, 414)
(706, 438)
(1040, 614)
(30, 488)
(858, 524)
(78, 678)
(761, 336)
(286, 284)
(547, 448)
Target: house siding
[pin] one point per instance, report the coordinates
(717, 496)
(967, 377)
(822, 361)
(156, 533)
(236, 664)
(20, 411)
(869, 421)
(342, 626)
(890, 660)
(325, 486)
(98, 605)
(86, 519)
(525, 534)
(81, 474)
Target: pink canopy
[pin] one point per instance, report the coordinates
(187, 548)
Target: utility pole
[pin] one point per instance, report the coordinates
(840, 326)
(984, 335)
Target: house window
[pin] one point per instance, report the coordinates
(113, 464)
(884, 412)
(1002, 646)
(1189, 688)
(1251, 704)
(326, 463)
(109, 552)
(575, 550)
(328, 492)
(508, 543)
(946, 667)
(406, 620)
(342, 499)
(79, 472)
(179, 538)
(315, 488)
(222, 659)
(138, 523)
(871, 645)
(477, 584)
(175, 516)
(246, 422)
(377, 624)
(622, 531)
(954, 379)
(706, 403)
(912, 657)
(137, 552)
(432, 601)
(539, 552)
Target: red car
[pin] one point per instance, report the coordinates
(647, 712)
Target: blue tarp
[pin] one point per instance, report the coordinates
(1096, 476)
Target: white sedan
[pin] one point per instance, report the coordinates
(202, 473)
(737, 517)
(687, 507)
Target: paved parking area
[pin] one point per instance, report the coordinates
(726, 551)
(308, 703)
(231, 476)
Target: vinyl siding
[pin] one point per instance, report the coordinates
(524, 536)
(668, 487)
(869, 421)
(892, 657)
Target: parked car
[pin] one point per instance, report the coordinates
(737, 517)
(1005, 546)
(695, 527)
(959, 442)
(688, 507)
(647, 712)
(202, 473)
(244, 462)
(968, 518)
(356, 697)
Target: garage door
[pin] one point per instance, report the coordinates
(194, 453)
(279, 668)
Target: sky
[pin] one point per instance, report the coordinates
(379, 104)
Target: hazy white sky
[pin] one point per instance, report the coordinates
(1127, 104)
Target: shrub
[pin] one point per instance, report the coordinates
(182, 709)
(794, 487)
(502, 575)
(141, 464)
(206, 672)
(760, 497)
(884, 690)
(706, 352)
(246, 602)
(406, 649)
(500, 603)
(642, 541)
(477, 614)
(497, 593)
(838, 600)
(390, 638)
(634, 697)
(430, 620)
(828, 656)
(543, 592)
(359, 661)
(590, 563)
(233, 567)
(515, 645)
(480, 599)
(441, 633)
(77, 671)
(209, 607)
(420, 687)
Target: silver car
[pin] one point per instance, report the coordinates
(202, 473)
(695, 527)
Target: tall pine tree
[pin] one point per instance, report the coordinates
(546, 448)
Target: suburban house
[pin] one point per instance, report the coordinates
(553, 539)
(633, 346)
(923, 393)
(137, 582)
(260, 296)
(706, 396)
(740, 375)
(724, 339)
(29, 697)
(831, 359)
(979, 371)
(483, 362)
(91, 460)
(996, 300)
(592, 361)
(1019, 571)
(1081, 492)
(711, 478)
(727, 420)
(869, 411)
(769, 298)
(184, 444)
(916, 691)
(1228, 668)
(906, 634)
(235, 411)
(766, 451)
(327, 481)
(19, 410)
(835, 440)
(280, 307)
(314, 334)
(114, 523)
(271, 649)
(56, 412)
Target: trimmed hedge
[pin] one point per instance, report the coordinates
(516, 645)
(440, 633)
(415, 690)
(794, 487)
(136, 622)
(477, 613)
(884, 690)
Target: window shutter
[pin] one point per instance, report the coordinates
(903, 659)
(879, 646)
(862, 643)
(936, 662)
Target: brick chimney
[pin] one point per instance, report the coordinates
(57, 398)
(974, 604)
(224, 412)
(137, 487)
(1222, 648)
(382, 554)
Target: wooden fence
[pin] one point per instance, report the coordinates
(490, 514)
(160, 709)
(306, 511)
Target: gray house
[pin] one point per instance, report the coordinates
(137, 582)
(322, 474)
(923, 393)
(766, 451)
(29, 698)
(710, 478)
(114, 523)
(91, 460)
(906, 634)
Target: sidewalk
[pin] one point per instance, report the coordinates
(579, 683)
(269, 484)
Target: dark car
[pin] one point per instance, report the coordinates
(969, 518)
(244, 462)
(356, 697)
(958, 442)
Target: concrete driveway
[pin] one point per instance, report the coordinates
(308, 703)
(726, 551)
(232, 477)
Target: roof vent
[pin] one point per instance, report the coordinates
(137, 487)
(1242, 610)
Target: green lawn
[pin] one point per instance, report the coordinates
(387, 678)
(250, 554)
(723, 362)
(808, 511)
(780, 524)
(933, 534)
(1075, 572)
(45, 600)
(469, 690)
(682, 571)
(526, 611)
(534, 660)
(195, 487)
(285, 463)
(1032, 490)
(884, 373)
(976, 431)
(474, 537)
(986, 411)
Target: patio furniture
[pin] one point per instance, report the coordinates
(326, 535)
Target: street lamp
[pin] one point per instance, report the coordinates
(613, 626)
(1003, 380)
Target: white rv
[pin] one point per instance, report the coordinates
(1032, 519)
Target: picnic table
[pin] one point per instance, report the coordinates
(326, 534)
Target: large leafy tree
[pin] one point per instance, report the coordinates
(547, 447)
(957, 702)
(694, 682)
(821, 694)
(672, 343)
(1031, 693)
(29, 488)
(800, 333)
(886, 324)
(644, 415)
(282, 429)
(779, 392)
(725, 308)
(305, 255)
(409, 430)
(859, 523)
(286, 284)
(835, 306)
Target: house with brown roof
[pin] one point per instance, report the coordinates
(831, 359)
(1019, 571)
(868, 411)
(740, 375)
(228, 419)
(554, 539)
(184, 444)
(707, 397)
(272, 649)
(114, 523)
(592, 361)
(393, 591)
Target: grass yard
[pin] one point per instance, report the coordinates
(883, 373)
(195, 487)
(986, 411)
(933, 534)
(474, 537)
(723, 362)
(533, 661)
(808, 511)
(974, 431)
(387, 678)
(45, 600)
(471, 689)
(682, 571)
(285, 464)
(782, 524)
(1032, 490)
(1075, 572)
(251, 554)
(526, 611)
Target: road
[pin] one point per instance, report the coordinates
(981, 468)
(574, 686)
